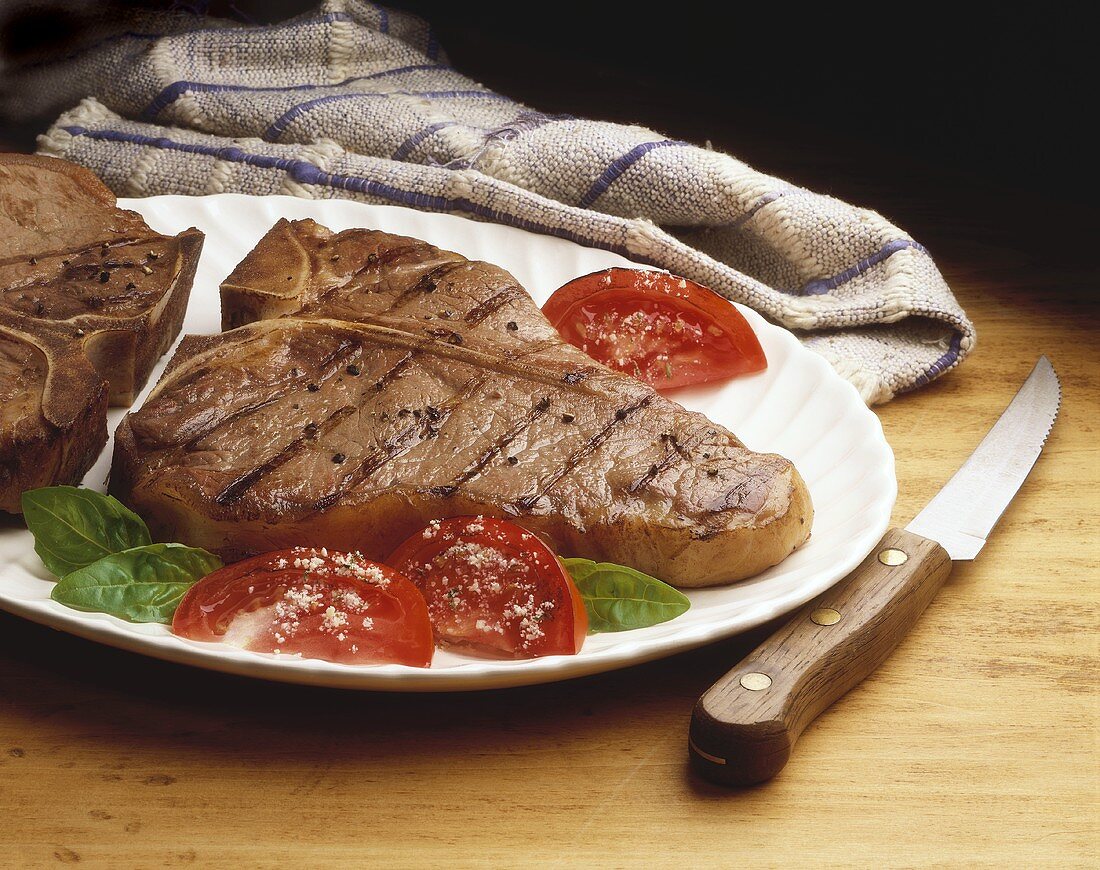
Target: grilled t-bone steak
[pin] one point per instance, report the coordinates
(374, 383)
(90, 298)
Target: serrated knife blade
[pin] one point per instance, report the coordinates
(963, 513)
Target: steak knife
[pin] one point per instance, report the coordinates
(744, 727)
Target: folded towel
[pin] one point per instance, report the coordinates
(354, 100)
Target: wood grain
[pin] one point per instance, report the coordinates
(974, 744)
(743, 734)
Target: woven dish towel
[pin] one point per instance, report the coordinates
(354, 100)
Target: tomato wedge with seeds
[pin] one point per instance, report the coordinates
(667, 331)
(495, 587)
(316, 604)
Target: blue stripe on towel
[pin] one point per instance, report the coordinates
(173, 92)
(407, 147)
(279, 125)
(621, 165)
(824, 285)
(307, 173)
(948, 359)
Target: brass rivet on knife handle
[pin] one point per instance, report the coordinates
(893, 557)
(809, 665)
(825, 616)
(755, 682)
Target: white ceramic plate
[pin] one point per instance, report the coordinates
(799, 408)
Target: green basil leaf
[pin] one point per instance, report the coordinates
(579, 569)
(144, 584)
(74, 527)
(618, 598)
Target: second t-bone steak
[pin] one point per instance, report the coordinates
(90, 299)
(375, 383)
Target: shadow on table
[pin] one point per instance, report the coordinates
(56, 684)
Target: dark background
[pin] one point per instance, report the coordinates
(951, 110)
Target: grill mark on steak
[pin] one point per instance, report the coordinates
(389, 255)
(239, 414)
(237, 488)
(337, 353)
(394, 446)
(372, 265)
(375, 261)
(478, 465)
(746, 495)
(674, 452)
(431, 419)
(525, 503)
(427, 283)
(396, 369)
(335, 360)
(685, 452)
(493, 304)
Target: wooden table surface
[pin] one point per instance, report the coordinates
(976, 744)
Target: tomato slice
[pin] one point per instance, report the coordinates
(495, 587)
(667, 331)
(316, 604)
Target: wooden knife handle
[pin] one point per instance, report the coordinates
(745, 725)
